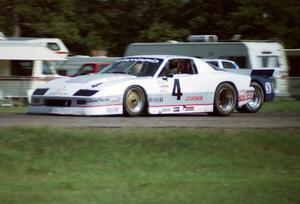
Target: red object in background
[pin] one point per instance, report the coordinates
(91, 68)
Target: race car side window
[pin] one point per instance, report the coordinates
(178, 66)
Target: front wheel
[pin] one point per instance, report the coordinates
(257, 101)
(134, 101)
(225, 100)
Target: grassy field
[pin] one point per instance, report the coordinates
(281, 106)
(53, 165)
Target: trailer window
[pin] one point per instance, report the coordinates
(21, 67)
(241, 61)
(268, 61)
(47, 68)
(53, 46)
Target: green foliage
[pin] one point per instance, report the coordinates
(160, 32)
(55, 165)
(85, 25)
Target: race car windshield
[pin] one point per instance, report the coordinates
(134, 66)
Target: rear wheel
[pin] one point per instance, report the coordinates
(225, 100)
(134, 101)
(257, 101)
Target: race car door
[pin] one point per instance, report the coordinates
(182, 89)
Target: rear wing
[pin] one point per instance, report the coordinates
(265, 73)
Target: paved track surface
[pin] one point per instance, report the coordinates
(236, 120)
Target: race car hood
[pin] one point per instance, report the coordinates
(99, 78)
(68, 86)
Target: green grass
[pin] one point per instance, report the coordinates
(14, 109)
(281, 106)
(56, 165)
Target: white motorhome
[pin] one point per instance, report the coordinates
(23, 67)
(247, 54)
(54, 44)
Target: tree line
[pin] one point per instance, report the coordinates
(86, 25)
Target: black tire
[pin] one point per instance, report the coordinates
(257, 101)
(134, 101)
(225, 100)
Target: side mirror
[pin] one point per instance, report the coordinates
(170, 75)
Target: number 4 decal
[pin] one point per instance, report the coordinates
(176, 89)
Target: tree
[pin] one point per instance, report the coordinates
(263, 19)
(85, 25)
(160, 32)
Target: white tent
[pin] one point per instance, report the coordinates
(19, 51)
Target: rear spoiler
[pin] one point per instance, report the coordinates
(266, 73)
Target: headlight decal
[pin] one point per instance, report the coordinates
(39, 92)
(85, 92)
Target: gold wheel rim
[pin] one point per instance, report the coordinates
(134, 101)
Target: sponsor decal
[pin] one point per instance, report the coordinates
(101, 100)
(194, 98)
(189, 108)
(164, 86)
(139, 60)
(115, 99)
(268, 87)
(176, 109)
(97, 100)
(95, 85)
(157, 99)
(166, 110)
(113, 109)
(245, 95)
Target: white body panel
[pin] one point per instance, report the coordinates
(196, 91)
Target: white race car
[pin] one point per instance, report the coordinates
(150, 84)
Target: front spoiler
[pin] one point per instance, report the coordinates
(85, 111)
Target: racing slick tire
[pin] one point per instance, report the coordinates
(225, 100)
(134, 101)
(257, 101)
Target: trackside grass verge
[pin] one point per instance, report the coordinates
(169, 165)
(281, 106)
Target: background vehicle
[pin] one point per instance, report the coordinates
(23, 67)
(71, 66)
(91, 68)
(221, 63)
(54, 44)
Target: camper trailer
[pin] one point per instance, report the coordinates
(247, 54)
(23, 67)
(54, 44)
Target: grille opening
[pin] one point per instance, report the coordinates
(81, 102)
(58, 102)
